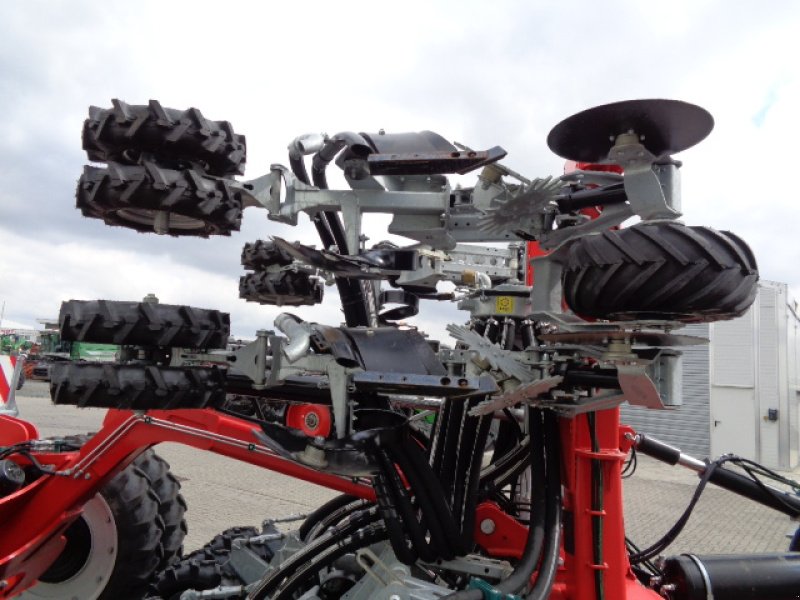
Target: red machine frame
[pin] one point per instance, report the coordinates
(36, 516)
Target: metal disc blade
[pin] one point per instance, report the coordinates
(664, 127)
(649, 338)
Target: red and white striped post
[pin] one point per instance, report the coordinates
(10, 367)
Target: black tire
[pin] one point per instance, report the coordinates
(123, 132)
(113, 549)
(171, 505)
(219, 549)
(660, 271)
(209, 566)
(188, 574)
(136, 387)
(282, 288)
(136, 197)
(143, 324)
(261, 254)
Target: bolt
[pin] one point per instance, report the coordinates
(312, 420)
(487, 526)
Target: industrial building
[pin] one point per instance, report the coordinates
(738, 394)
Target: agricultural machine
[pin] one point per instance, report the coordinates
(487, 468)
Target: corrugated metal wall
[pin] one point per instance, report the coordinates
(768, 374)
(793, 355)
(686, 426)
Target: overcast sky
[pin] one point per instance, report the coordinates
(478, 72)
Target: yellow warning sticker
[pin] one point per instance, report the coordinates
(504, 305)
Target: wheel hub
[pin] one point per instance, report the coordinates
(83, 569)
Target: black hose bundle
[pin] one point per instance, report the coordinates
(552, 546)
(358, 530)
(357, 297)
(544, 535)
(457, 454)
(423, 527)
(519, 580)
(330, 513)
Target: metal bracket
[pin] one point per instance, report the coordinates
(251, 360)
(338, 378)
(642, 185)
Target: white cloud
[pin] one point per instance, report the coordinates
(483, 75)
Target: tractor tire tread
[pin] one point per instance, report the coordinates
(660, 271)
(187, 574)
(136, 387)
(143, 324)
(172, 505)
(139, 530)
(129, 196)
(282, 288)
(124, 131)
(261, 254)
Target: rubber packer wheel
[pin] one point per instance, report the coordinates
(136, 387)
(262, 254)
(209, 566)
(660, 271)
(143, 324)
(282, 288)
(123, 132)
(150, 198)
(113, 549)
(171, 505)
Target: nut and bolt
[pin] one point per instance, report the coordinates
(487, 526)
(312, 420)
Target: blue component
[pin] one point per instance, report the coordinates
(489, 592)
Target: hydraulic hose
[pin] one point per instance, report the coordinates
(301, 558)
(779, 500)
(519, 580)
(358, 309)
(552, 545)
(368, 536)
(468, 433)
(547, 453)
(297, 149)
(330, 507)
(507, 468)
(439, 434)
(473, 485)
(332, 146)
(402, 501)
(387, 508)
(435, 514)
(449, 449)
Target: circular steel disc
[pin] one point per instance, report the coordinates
(668, 126)
(594, 338)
